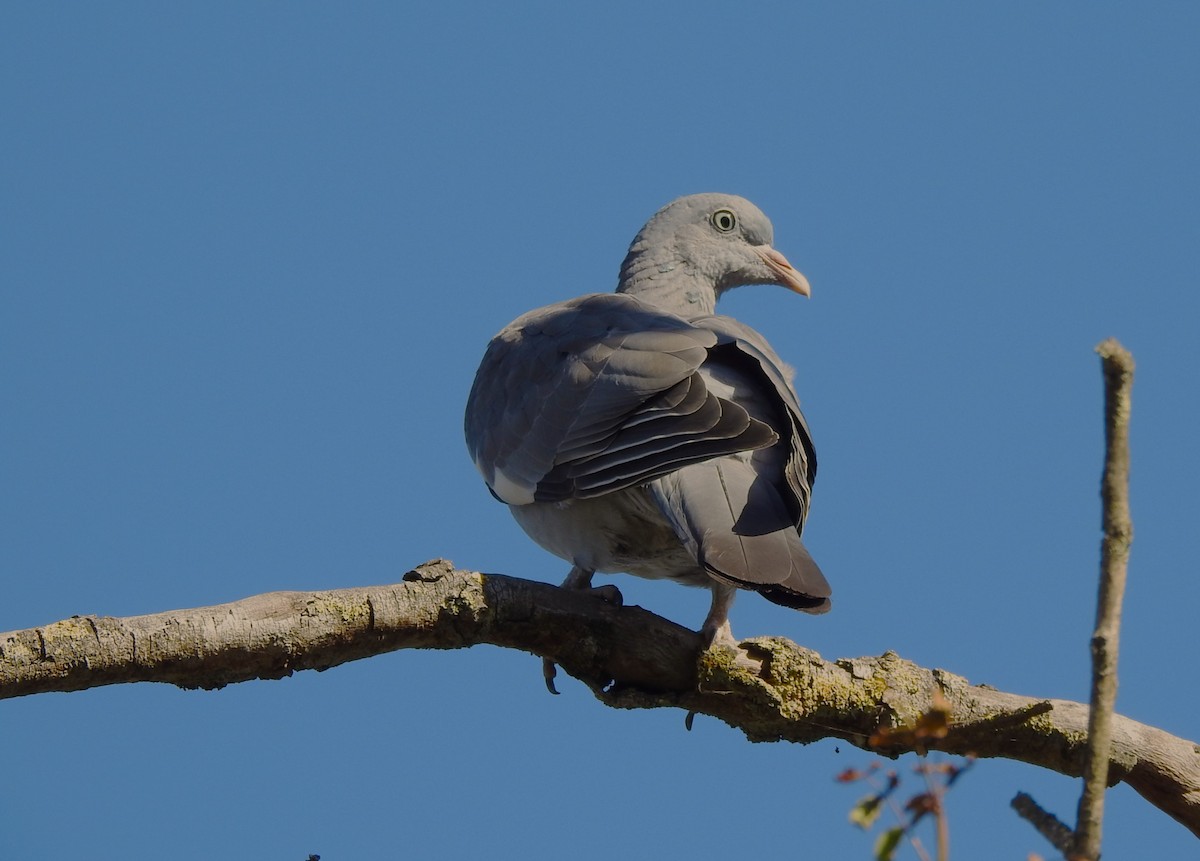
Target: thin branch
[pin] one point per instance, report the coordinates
(1060, 835)
(1117, 366)
(937, 792)
(771, 689)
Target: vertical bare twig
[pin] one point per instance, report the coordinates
(1117, 365)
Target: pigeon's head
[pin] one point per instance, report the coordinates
(697, 247)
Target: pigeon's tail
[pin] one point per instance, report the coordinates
(807, 588)
(736, 524)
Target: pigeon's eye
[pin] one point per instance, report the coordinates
(724, 220)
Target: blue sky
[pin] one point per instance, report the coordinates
(255, 251)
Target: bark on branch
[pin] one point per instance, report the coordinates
(1117, 364)
(771, 689)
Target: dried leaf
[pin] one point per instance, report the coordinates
(960, 771)
(920, 805)
(935, 723)
(930, 726)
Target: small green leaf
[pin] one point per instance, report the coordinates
(886, 843)
(866, 811)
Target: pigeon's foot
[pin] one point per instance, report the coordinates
(715, 629)
(716, 632)
(580, 579)
(721, 635)
(607, 593)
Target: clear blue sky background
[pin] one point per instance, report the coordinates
(253, 253)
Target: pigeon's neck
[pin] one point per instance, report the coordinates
(669, 283)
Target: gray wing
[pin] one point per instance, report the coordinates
(595, 395)
(801, 469)
(741, 515)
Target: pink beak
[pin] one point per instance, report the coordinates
(788, 276)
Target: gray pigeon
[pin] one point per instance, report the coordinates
(639, 432)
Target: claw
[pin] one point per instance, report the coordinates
(549, 671)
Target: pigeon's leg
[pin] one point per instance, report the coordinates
(580, 579)
(716, 624)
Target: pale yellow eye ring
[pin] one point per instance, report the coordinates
(724, 220)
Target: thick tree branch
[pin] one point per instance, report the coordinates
(772, 689)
